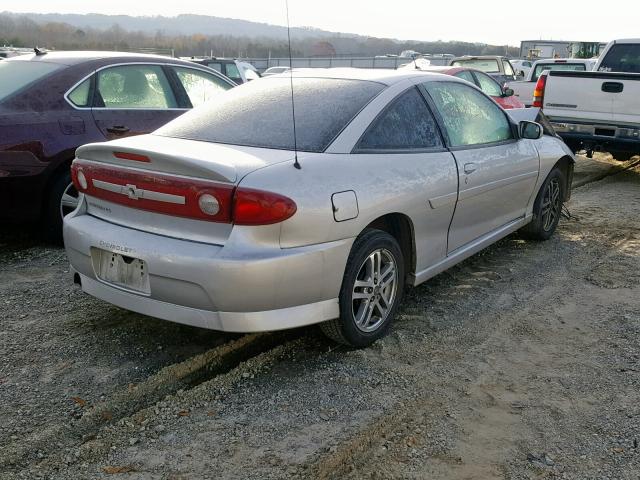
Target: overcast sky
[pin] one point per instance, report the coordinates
(488, 21)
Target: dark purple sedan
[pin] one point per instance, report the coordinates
(51, 103)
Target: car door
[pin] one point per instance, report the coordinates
(412, 172)
(497, 170)
(133, 99)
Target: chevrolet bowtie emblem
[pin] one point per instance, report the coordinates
(133, 192)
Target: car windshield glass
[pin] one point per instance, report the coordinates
(259, 114)
(486, 65)
(18, 74)
(541, 67)
(622, 58)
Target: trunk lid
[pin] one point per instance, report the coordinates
(135, 175)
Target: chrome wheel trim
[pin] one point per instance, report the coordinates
(374, 291)
(69, 200)
(551, 204)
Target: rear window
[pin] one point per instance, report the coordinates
(622, 58)
(541, 67)
(15, 75)
(488, 65)
(259, 114)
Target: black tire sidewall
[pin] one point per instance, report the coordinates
(536, 227)
(369, 241)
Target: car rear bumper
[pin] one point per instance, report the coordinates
(626, 138)
(210, 286)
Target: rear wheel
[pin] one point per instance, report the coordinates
(371, 290)
(547, 207)
(62, 199)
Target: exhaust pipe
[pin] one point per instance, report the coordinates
(76, 279)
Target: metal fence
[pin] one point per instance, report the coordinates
(335, 62)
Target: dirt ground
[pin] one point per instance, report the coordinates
(520, 363)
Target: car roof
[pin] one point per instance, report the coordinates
(76, 57)
(380, 75)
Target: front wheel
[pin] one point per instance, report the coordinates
(371, 290)
(547, 207)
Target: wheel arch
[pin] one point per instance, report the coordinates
(399, 226)
(565, 164)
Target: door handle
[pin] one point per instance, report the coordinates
(469, 168)
(612, 87)
(118, 129)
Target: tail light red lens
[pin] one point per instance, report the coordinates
(538, 92)
(182, 197)
(156, 192)
(256, 207)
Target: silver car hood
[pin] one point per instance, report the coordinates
(191, 158)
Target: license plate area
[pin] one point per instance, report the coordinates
(122, 271)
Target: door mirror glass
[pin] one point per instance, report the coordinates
(530, 130)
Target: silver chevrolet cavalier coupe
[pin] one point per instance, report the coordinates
(228, 219)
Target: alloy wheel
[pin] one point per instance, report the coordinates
(551, 204)
(375, 290)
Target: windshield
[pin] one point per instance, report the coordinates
(622, 58)
(259, 114)
(487, 66)
(541, 67)
(15, 75)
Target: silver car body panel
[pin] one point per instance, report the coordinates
(243, 278)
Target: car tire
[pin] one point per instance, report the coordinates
(622, 156)
(547, 207)
(60, 188)
(375, 276)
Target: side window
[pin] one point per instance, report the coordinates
(508, 69)
(200, 86)
(215, 66)
(233, 73)
(526, 64)
(469, 117)
(79, 96)
(488, 85)
(405, 124)
(465, 75)
(135, 86)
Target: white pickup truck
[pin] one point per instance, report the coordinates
(523, 89)
(598, 110)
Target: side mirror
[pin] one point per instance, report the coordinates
(520, 74)
(530, 130)
(507, 92)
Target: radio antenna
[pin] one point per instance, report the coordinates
(293, 103)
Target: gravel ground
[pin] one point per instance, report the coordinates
(519, 363)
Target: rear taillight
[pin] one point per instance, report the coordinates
(155, 192)
(181, 197)
(256, 207)
(538, 92)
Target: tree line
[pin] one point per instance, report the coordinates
(21, 31)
